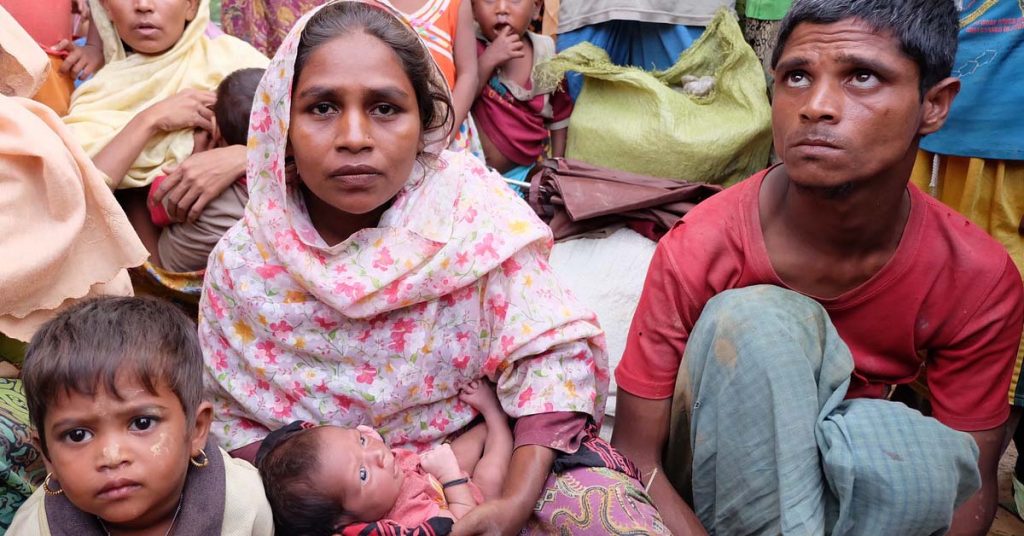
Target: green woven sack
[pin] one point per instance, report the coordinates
(707, 118)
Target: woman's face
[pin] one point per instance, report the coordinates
(355, 125)
(150, 26)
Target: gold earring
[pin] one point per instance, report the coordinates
(46, 486)
(204, 459)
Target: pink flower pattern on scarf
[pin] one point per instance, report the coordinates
(384, 328)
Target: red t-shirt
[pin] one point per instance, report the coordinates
(950, 293)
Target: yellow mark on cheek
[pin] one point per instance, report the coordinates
(112, 453)
(160, 448)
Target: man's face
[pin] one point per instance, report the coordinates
(847, 105)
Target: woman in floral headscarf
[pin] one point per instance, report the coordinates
(371, 280)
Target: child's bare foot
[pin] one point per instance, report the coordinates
(480, 395)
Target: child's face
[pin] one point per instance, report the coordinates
(359, 470)
(124, 461)
(150, 26)
(495, 15)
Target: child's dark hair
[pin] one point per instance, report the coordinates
(926, 29)
(340, 19)
(85, 347)
(234, 104)
(299, 505)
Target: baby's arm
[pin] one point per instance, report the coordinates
(440, 462)
(465, 90)
(489, 473)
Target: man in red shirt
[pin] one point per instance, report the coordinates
(779, 314)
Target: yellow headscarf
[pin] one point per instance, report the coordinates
(130, 83)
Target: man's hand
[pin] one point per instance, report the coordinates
(202, 177)
(82, 62)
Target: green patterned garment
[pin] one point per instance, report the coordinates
(21, 466)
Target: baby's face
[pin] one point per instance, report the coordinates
(123, 459)
(150, 27)
(359, 470)
(494, 16)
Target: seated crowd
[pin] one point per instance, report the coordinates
(382, 346)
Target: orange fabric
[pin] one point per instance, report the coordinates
(56, 90)
(437, 22)
(47, 21)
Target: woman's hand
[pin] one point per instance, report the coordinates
(500, 517)
(82, 62)
(190, 186)
(187, 109)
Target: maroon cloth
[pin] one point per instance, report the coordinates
(560, 430)
(519, 128)
(576, 198)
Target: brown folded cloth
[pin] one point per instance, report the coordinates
(577, 198)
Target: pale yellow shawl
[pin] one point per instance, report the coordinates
(130, 83)
(62, 234)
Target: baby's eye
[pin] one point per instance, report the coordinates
(78, 435)
(362, 440)
(142, 424)
(363, 475)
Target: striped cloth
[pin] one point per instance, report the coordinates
(777, 449)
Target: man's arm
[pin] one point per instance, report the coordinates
(974, 517)
(640, 433)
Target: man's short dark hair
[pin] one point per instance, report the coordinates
(235, 95)
(926, 29)
(85, 347)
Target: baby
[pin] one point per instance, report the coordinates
(514, 115)
(114, 388)
(230, 127)
(321, 479)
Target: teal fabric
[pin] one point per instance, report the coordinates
(777, 449)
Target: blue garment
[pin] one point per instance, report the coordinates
(650, 46)
(986, 118)
(778, 450)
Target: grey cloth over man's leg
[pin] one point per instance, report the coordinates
(777, 450)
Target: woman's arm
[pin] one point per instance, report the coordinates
(527, 473)
(187, 109)
(465, 89)
(640, 434)
(190, 186)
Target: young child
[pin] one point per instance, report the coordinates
(230, 127)
(114, 388)
(51, 24)
(137, 116)
(513, 113)
(447, 28)
(321, 479)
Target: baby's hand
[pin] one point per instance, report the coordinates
(480, 396)
(82, 62)
(440, 462)
(506, 45)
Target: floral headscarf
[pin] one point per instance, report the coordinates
(386, 326)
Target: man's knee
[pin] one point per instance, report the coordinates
(761, 305)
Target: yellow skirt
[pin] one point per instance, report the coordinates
(991, 194)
